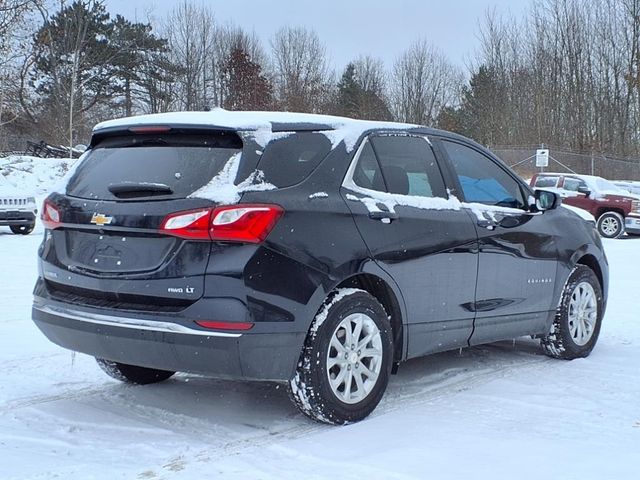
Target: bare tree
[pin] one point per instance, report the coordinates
(190, 31)
(301, 70)
(423, 83)
(566, 75)
(198, 48)
(14, 30)
(371, 74)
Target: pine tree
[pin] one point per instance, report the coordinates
(481, 114)
(350, 94)
(246, 86)
(357, 100)
(73, 66)
(138, 63)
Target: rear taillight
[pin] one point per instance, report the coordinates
(238, 223)
(193, 224)
(51, 217)
(246, 223)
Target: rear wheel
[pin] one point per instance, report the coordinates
(346, 361)
(576, 327)
(132, 373)
(22, 229)
(610, 225)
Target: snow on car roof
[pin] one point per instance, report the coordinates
(263, 123)
(248, 120)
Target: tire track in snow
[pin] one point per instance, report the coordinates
(478, 366)
(422, 390)
(74, 394)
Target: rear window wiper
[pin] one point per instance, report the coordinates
(139, 189)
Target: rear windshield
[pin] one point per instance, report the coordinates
(290, 159)
(136, 167)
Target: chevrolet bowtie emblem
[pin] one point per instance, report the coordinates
(101, 219)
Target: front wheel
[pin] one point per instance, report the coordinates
(22, 229)
(576, 327)
(610, 225)
(132, 373)
(346, 361)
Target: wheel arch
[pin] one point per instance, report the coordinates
(590, 256)
(385, 294)
(590, 261)
(602, 210)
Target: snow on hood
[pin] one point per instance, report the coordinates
(602, 187)
(337, 129)
(6, 187)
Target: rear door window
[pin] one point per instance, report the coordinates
(183, 163)
(399, 164)
(409, 166)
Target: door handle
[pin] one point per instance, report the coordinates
(380, 215)
(486, 223)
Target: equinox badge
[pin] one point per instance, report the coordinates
(101, 219)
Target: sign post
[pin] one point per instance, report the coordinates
(542, 158)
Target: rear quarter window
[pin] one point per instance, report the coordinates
(289, 160)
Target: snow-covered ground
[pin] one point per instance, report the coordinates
(33, 174)
(497, 411)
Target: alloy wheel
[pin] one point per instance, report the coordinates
(583, 313)
(354, 358)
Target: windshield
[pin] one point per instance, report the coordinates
(606, 186)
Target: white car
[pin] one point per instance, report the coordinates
(17, 210)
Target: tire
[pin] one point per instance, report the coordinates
(576, 326)
(132, 373)
(365, 366)
(22, 229)
(610, 225)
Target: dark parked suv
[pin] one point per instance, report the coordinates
(317, 251)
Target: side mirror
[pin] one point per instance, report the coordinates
(546, 200)
(584, 189)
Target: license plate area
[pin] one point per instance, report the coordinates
(117, 253)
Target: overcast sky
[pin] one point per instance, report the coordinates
(348, 28)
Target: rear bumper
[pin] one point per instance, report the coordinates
(160, 343)
(16, 217)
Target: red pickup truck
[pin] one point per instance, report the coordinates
(616, 210)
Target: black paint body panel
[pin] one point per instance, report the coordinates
(455, 282)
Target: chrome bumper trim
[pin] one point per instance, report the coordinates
(132, 323)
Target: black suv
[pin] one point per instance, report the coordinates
(313, 250)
